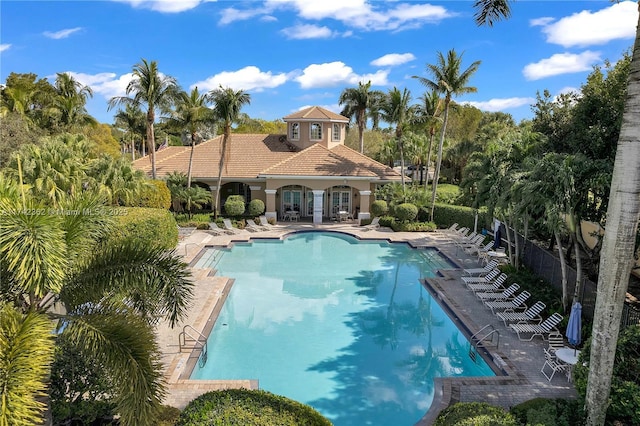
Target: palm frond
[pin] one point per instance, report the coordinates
(490, 11)
(125, 345)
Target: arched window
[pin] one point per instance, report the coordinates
(295, 131)
(316, 131)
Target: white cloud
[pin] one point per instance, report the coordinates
(359, 14)
(541, 22)
(308, 31)
(498, 104)
(587, 28)
(247, 78)
(165, 6)
(392, 59)
(561, 63)
(335, 74)
(104, 83)
(62, 33)
(4, 47)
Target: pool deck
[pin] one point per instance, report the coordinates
(520, 360)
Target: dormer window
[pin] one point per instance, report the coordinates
(316, 131)
(295, 131)
(336, 132)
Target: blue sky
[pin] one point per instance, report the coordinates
(289, 54)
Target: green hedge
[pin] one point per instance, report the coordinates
(155, 194)
(151, 226)
(248, 408)
(474, 414)
(549, 412)
(445, 215)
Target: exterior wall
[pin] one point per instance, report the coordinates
(327, 134)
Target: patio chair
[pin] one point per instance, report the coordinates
(552, 364)
(475, 247)
(495, 285)
(529, 315)
(214, 229)
(373, 225)
(265, 223)
(480, 272)
(556, 341)
(508, 305)
(495, 295)
(484, 279)
(252, 227)
(452, 228)
(545, 327)
(228, 227)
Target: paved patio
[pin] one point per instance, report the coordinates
(521, 361)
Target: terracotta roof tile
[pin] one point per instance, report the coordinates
(316, 113)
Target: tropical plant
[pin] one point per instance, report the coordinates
(357, 101)
(227, 106)
(397, 110)
(428, 115)
(70, 102)
(192, 198)
(132, 121)
(191, 114)
(111, 292)
(150, 88)
(451, 81)
(623, 215)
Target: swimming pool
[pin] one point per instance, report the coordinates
(340, 324)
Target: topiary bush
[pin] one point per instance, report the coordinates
(379, 208)
(405, 212)
(244, 407)
(150, 226)
(625, 382)
(234, 206)
(474, 414)
(549, 412)
(255, 208)
(155, 194)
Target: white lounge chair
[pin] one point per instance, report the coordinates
(264, 222)
(496, 295)
(373, 225)
(495, 285)
(252, 227)
(481, 272)
(214, 229)
(529, 315)
(545, 327)
(484, 279)
(509, 305)
(229, 227)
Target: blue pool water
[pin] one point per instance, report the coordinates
(340, 324)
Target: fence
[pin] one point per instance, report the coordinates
(547, 265)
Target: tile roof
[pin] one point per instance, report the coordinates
(251, 156)
(316, 113)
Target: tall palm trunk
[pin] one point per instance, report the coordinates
(193, 143)
(563, 269)
(223, 151)
(151, 140)
(623, 215)
(401, 149)
(432, 132)
(361, 123)
(436, 174)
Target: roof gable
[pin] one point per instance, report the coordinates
(316, 113)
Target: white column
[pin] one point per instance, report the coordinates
(317, 205)
(365, 202)
(271, 204)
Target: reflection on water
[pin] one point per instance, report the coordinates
(343, 326)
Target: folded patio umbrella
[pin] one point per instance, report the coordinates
(574, 327)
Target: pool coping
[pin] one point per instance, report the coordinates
(520, 382)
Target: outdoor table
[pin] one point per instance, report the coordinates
(568, 355)
(291, 215)
(344, 215)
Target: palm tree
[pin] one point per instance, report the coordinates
(227, 106)
(623, 215)
(70, 101)
(447, 79)
(190, 114)
(428, 113)
(397, 110)
(151, 88)
(356, 103)
(112, 291)
(132, 119)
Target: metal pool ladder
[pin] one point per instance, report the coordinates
(488, 334)
(196, 342)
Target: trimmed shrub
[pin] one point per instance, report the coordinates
(248, 408)
(155, 194)
(379, 208)
(549, 412)
(234, 206)
(405, 212)
(445, 215)
(625, 382)
(150, 226)
(255, 208)
(413, 226)
(474, 414)
(168, 415)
